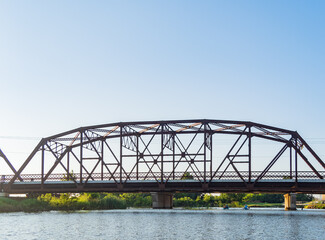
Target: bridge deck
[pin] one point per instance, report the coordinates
(233, 185)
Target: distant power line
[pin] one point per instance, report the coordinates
(20, 138)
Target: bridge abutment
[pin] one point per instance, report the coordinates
(162, 200)
(4, 194)
(290, 201)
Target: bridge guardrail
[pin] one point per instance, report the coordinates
(230, 175)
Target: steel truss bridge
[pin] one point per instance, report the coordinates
(170, 156)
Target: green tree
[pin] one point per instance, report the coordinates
(187, 176)
(304, 197)
(69, 177)
(262, 197)
(193, 196)
(137, 199)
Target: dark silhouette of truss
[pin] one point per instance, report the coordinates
(157, 155)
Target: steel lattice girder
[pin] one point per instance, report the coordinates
(136, 138)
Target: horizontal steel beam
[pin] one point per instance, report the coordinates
(171, 186)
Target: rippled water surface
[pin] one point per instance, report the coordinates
(165, 224)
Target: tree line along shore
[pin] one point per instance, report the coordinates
(101, 201)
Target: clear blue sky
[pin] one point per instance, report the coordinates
(65, 64)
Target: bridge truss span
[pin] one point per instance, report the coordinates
(171, 156)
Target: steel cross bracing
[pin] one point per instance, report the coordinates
(130, 156)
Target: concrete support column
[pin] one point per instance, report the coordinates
(3, 194)
(162, 200)
(290, 201)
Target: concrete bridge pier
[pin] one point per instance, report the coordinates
(4, 194)
(162, 200)
(290, 201)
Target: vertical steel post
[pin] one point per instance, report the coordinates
(162, 154)
(42, 180)
(68, 166)
(296, 160)
(211, 144)
(102, 160)
(173, 137)
(81, 156)
(290, 162)
(137, 168)
(249, 154)
(121, 146)
(205, 153)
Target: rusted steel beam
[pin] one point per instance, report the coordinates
(9, 164)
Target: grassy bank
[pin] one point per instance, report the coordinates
(64, 202)
(315, 205)
(265, 205)
(232, 200)
(98, 201)
(22, 205)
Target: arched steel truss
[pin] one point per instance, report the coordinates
(119, 152)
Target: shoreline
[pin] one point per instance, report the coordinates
(33, 205)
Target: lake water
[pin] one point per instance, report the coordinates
(165, 224)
